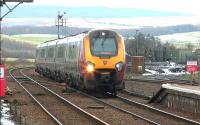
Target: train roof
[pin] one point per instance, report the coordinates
(42, 45)
(72, 38)
(102, 29)
(62, 41)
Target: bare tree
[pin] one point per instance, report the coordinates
(189, 46)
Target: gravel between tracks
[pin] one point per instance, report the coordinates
(109, 115)
(34, 115)
(24, 109)
(106, 113)
(63, 112)
(145, 88)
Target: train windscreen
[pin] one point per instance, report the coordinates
(103, 44)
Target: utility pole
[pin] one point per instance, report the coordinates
(1, 5)
(2, 16)
(60, 23)
(58, 20)
(136, 35)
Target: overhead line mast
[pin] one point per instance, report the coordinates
(10, 9)
(2, 16)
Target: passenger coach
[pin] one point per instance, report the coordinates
(94, 60)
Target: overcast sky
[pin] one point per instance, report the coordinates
(185, 6)
(131, 12)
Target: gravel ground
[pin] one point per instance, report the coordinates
(163, 120)
(106, 113)
(135, 98)
(25, 110)
(36, 116)
(63, 112)
(145, 88)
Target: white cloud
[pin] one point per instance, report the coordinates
(185, 6)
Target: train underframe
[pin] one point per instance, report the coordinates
(97, 81)
(103, 81)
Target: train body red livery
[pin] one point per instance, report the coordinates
(94, 60)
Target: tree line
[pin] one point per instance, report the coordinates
(139, 45)
(15, 49)
(74, 30)
(148, 46)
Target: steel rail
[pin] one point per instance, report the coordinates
(142, 105)
(164, 81)
(158, 110)
(136, 94)
(53, 117)
(92, 117)
(115, 107)
(98, 100)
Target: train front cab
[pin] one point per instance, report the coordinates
(104, 60)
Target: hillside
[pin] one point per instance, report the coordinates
(30, 38)
(156, 31)
(181, 40)
(12, 48)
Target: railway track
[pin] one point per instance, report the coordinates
(160, 81)
(136, 94)
(150, 114)
(147, 88)
(158, 111)
(123, 112)
(63, 102)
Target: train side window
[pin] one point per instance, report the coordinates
(60, 53)
(71, 51)
(74, 51)
(70, 54)
(36, 55)
(66, 52)
(42, 53)
(50, 52)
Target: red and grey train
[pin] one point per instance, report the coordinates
(94, 60)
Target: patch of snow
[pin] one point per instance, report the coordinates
(5, 115)
(149, 72)
(164, 69)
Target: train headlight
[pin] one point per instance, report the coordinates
(119, 66)
(90, 67)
